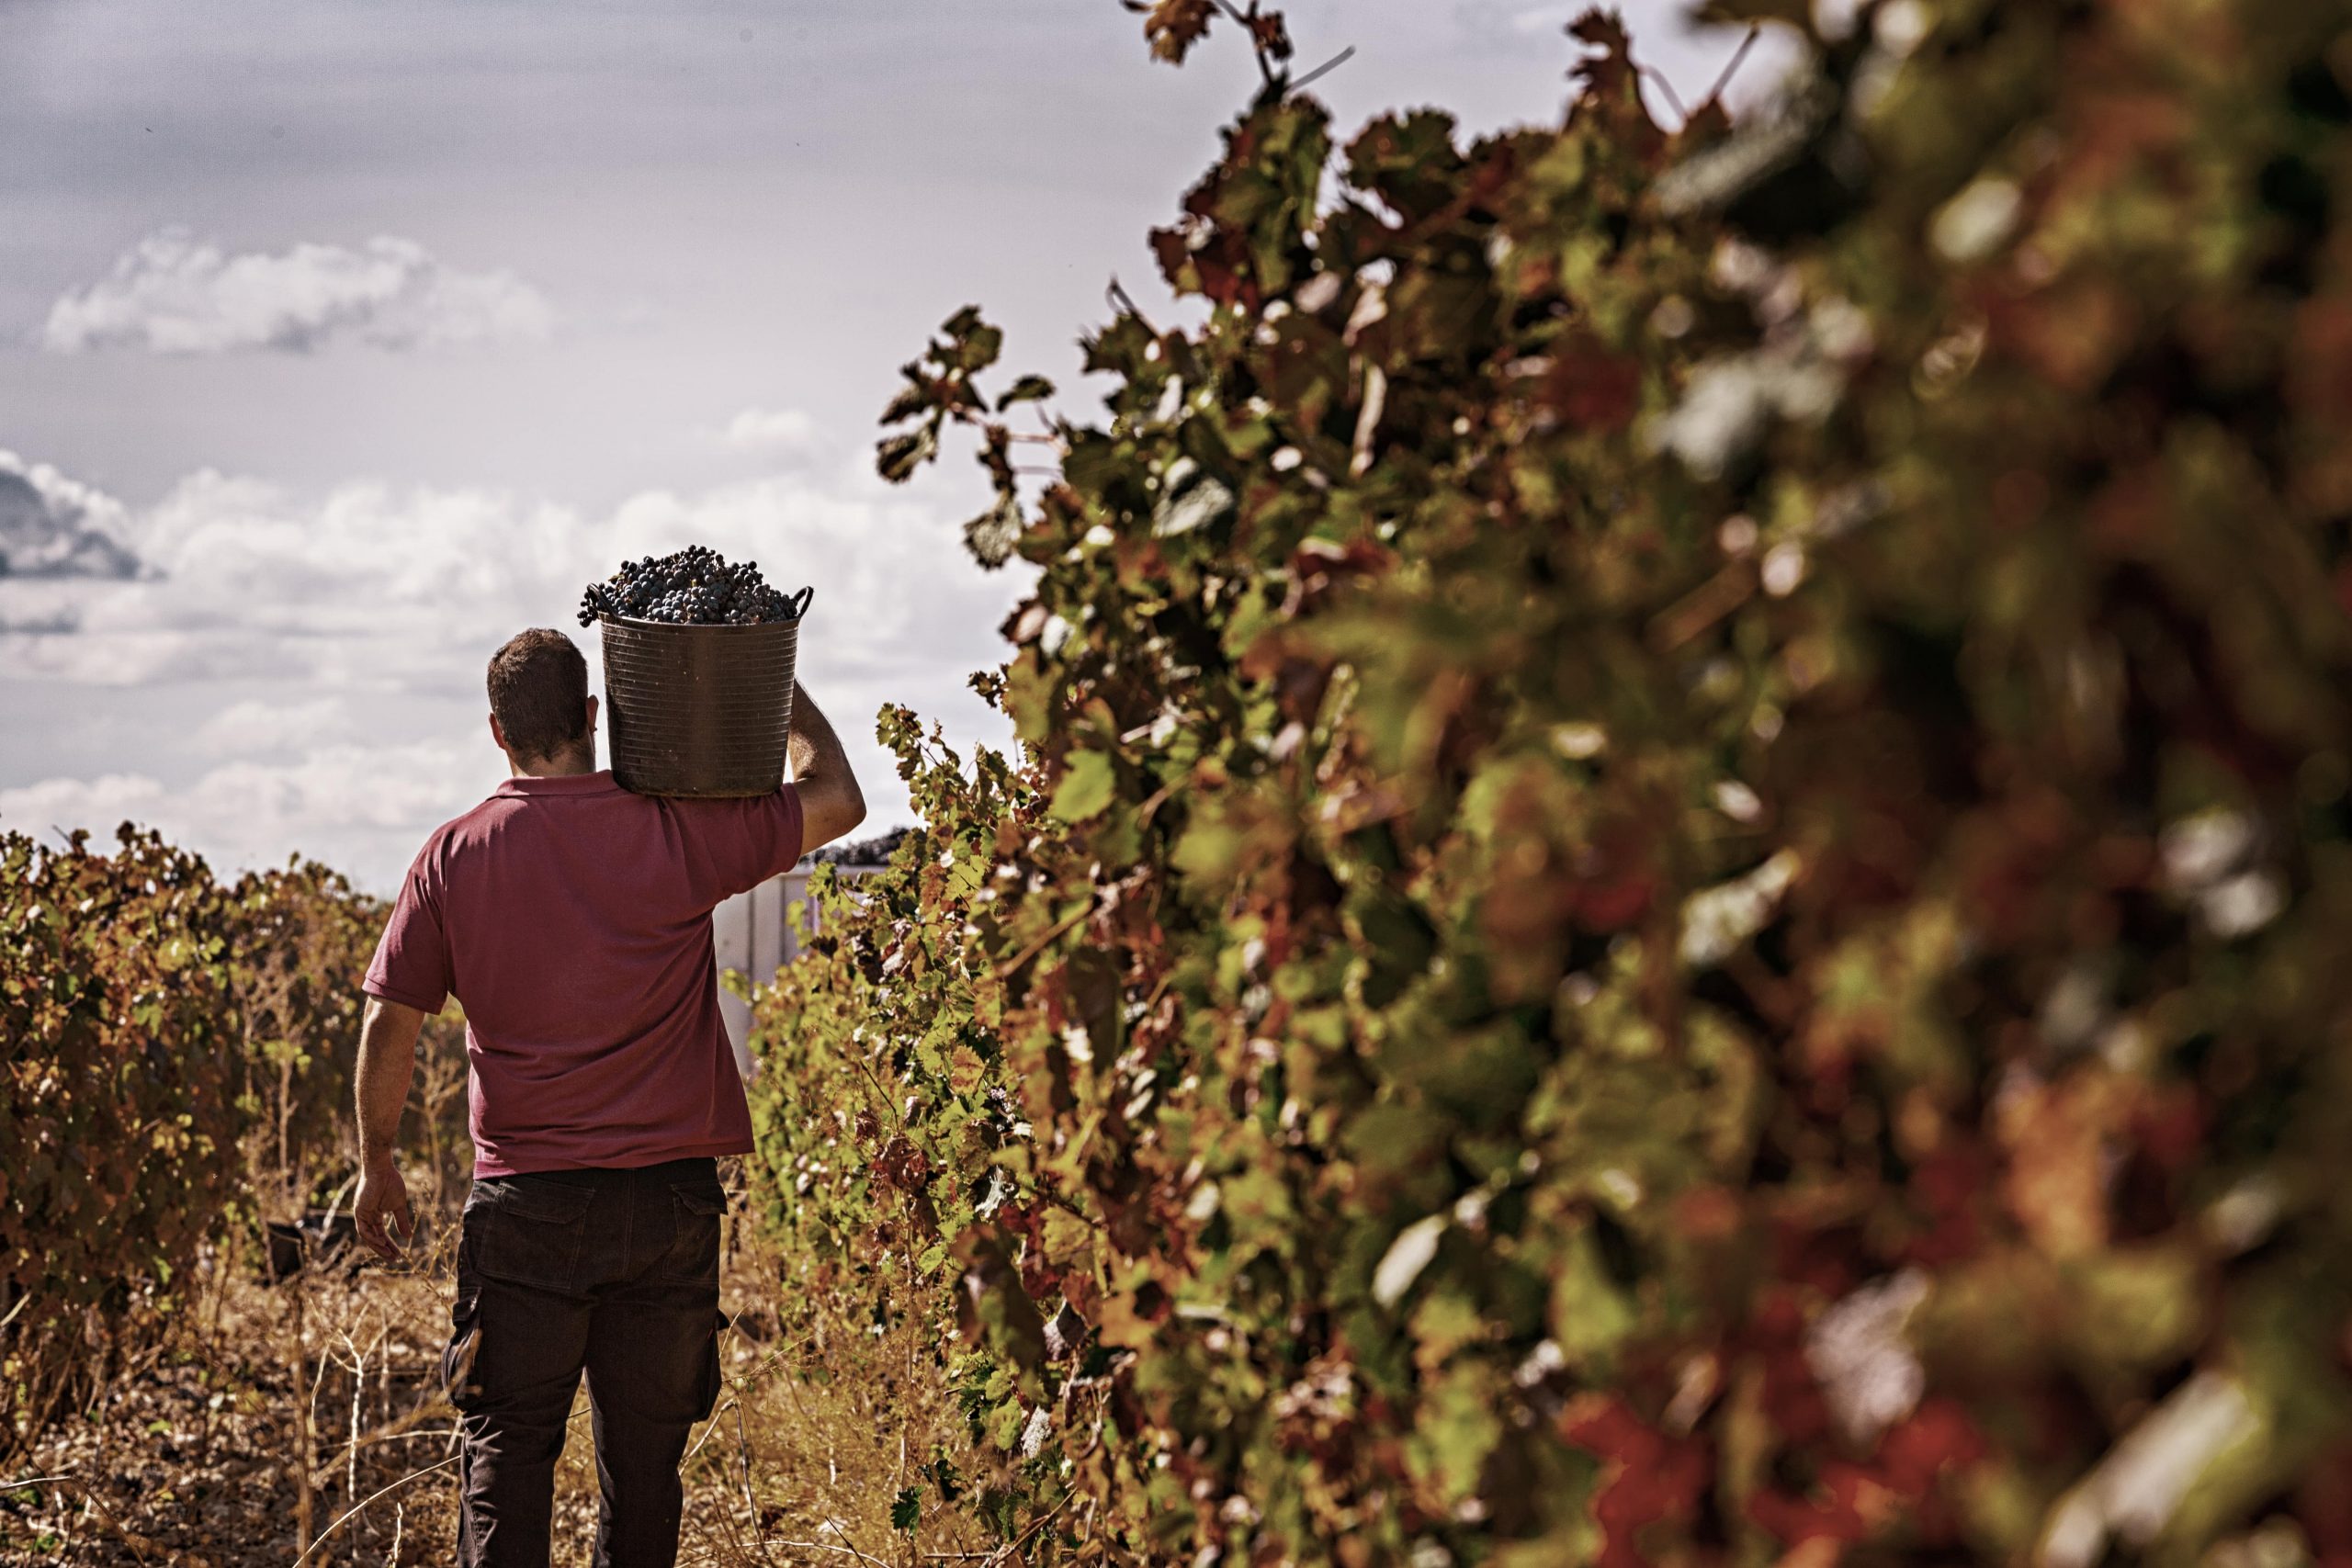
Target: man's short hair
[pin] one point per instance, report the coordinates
(539, 693)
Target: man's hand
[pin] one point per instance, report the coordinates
(387, 1059)
(382, 1212)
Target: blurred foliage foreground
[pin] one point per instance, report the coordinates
(1676, 888)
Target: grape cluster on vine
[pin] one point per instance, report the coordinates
(695, 586)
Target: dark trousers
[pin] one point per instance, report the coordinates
(614, 1272)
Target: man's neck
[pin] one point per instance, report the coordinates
(570, 765)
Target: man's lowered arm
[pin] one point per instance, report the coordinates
(830, 803)
(387, 1062)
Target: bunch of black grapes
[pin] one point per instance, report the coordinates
(695, 586)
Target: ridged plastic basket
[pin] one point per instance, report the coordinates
(698, 711)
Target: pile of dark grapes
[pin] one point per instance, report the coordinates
(694, 587)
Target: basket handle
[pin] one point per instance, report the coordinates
(799, 601)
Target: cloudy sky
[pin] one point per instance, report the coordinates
(340, 339)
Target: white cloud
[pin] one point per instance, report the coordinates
(352, 805)
(331, 648)
(253, 727)
(172, 293)
(54, 526)
(366, 584)
(771, 430)
(370, 584)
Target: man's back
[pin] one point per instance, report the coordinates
(571, 918)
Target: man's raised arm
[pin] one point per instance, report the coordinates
(831, 802)
(386, 1061)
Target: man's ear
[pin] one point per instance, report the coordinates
(497, 734)
(592, 716)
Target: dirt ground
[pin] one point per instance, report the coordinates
(303, 1423)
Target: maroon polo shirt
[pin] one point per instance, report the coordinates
(573, 920)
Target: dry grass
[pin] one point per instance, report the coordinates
(308, 1416)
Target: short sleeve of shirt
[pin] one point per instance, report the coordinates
(735, 845)
(412, 962)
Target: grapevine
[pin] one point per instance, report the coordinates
(1672, 888)
(180, 1056)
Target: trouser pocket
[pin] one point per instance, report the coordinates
(535, 1229)
(707, 1391)
(459, 1379)
(695, 1209)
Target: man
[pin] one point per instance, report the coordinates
(572, 920)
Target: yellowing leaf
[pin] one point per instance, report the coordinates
(1086, 788)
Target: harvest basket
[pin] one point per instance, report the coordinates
(699, 710)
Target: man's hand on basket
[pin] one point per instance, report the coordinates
(382, 1212)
